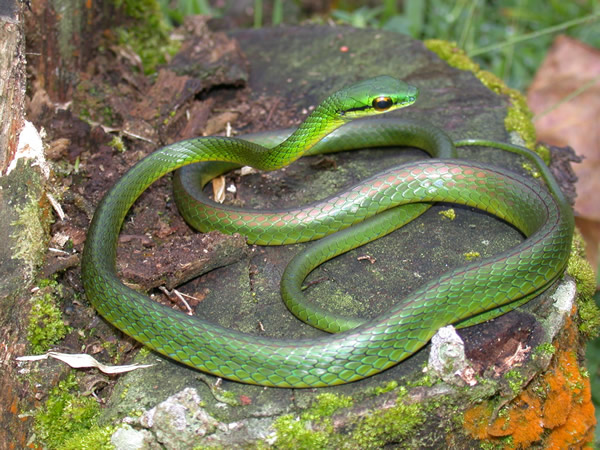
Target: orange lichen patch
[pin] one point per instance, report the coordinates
(577, 428)
(476, 420)
(522, 421)
(558, 402)
(561, 417)
(578, 431)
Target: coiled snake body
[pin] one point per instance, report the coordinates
(470, 294)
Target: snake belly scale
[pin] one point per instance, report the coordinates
(366, 211)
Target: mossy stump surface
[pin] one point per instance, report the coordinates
(291, 69)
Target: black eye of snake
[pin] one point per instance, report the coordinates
(382, 103)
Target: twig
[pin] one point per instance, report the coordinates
(175, 292)
(56, 206)
(217, 393)
(310, 283)
(369, 258)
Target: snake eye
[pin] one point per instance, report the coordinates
(382, 103)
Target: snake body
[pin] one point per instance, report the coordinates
(366, 211)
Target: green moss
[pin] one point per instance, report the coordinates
(541, 390)
(582, 272)
(388, 425)
(544, 153)
(90, 104)
(46, 327)
(426, 379)
(518, 116)
(373, 269)
(471, 255)
(448, 213)
(118, 144)
(515, 380)
(532, 170)
(31, 233)
(68, 420)
(390, 386)
(487, 445)
(449, 52)
(115, 349)
(294, 433)
(589, 317)
(149, 34)
(227, 397)
(546, 349)
(314, 429)
(96, 438)
(124, 392)
(337, 300)
(327, 404)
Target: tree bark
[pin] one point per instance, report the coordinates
(12, 79)
(13, 430)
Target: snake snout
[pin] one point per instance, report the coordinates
(412, 94)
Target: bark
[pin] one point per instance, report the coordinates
(13, 431)
(12, 79)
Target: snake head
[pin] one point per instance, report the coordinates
(374, 96)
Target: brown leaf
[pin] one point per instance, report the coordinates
(218, 123)
(568, 66)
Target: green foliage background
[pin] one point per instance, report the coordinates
(509, 38)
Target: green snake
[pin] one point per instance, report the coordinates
(463, 296)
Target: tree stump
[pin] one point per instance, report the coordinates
(502, 386)
(493, 394)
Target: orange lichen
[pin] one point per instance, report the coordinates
(562, 417)
(522, 422)
(577, 427)
(558, 402)
(476, 420)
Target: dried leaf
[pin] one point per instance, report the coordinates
(569, 66)
(83, 361)
(218, 185)
(218, 123)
